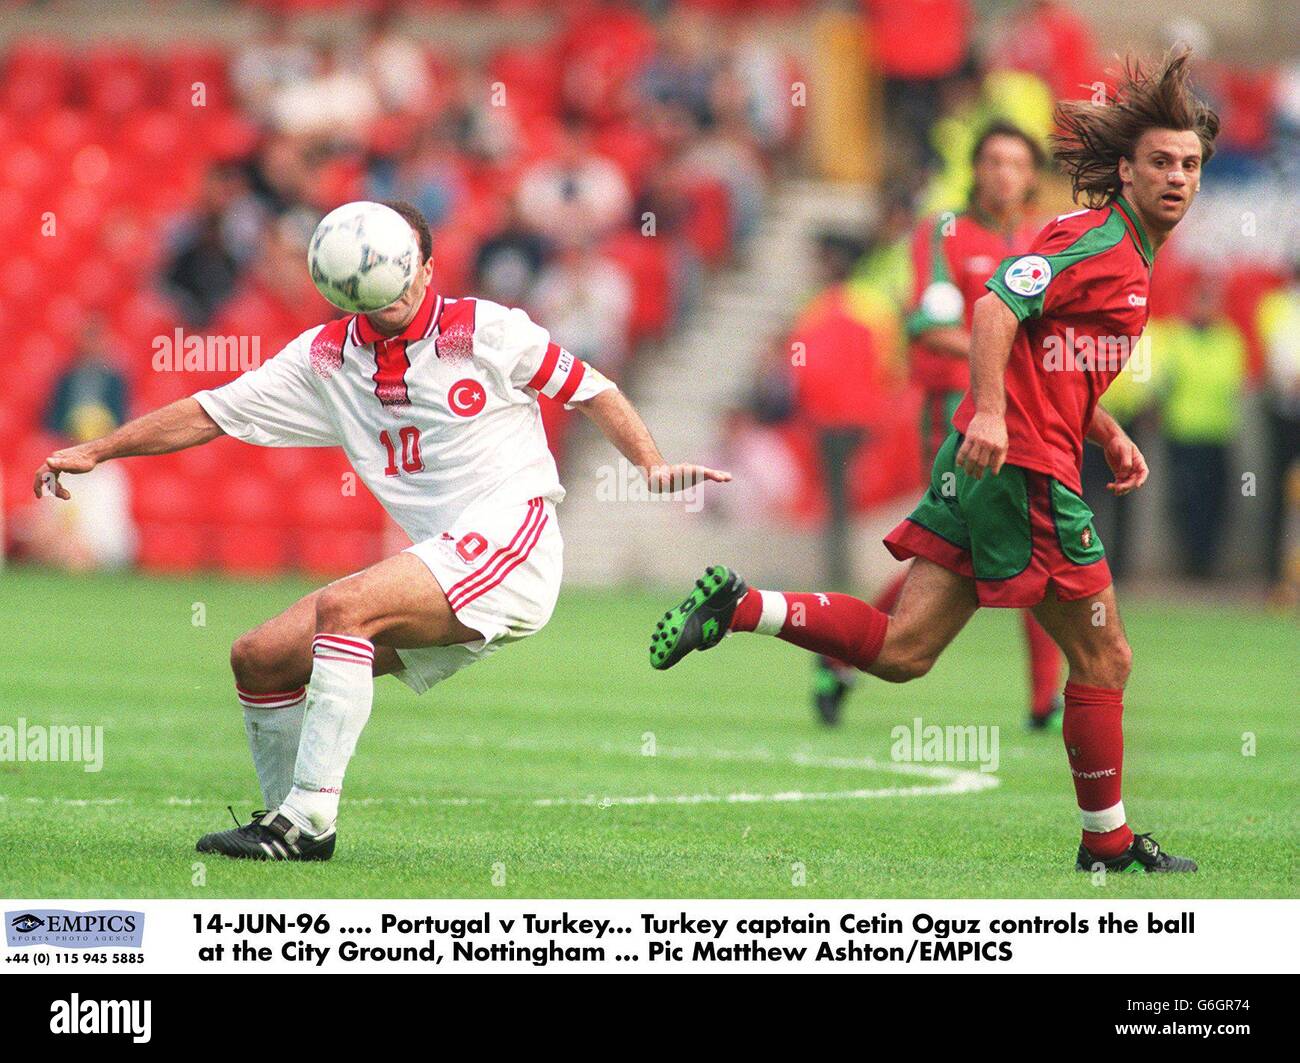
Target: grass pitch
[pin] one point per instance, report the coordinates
(531, 774)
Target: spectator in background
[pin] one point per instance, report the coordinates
(276, 299)
(886, 265)
(587, 298)
(683, 68)
(1132, 402)
(427, 170)
(91, 381)
(508, 264)
(917, 45)
(725, 151)
(1279, 331)
(280, 175)
(337, 104)
(395, 64)
(95, 530)
(213, 245)
(575, 198)
(269, 63)
(838, 360)
(1202, 365)
(1049, 40)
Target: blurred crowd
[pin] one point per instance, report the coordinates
(592, 177)
(175, 190)
(836, 408)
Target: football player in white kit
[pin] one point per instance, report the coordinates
(434, 401)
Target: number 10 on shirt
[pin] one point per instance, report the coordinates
(409, 436)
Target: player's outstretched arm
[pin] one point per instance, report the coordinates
(181, 424)
(950, 340)
(622, 425)
(1122, 454)
(993, 330)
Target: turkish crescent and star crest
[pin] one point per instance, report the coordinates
(466, 397)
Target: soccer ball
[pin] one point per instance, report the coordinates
(363, 256)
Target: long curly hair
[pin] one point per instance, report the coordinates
(1092, 137)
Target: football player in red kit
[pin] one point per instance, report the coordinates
(953, 254)
(1003, 523)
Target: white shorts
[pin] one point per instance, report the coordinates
(500, 569)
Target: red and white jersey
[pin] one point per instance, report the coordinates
(435, 420)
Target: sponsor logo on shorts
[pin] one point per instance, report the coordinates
(1085, 537)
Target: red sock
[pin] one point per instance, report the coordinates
(1094, 742)
(1044, 666)
(835, 625)
(888, 598)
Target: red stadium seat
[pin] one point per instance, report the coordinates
(25, 167)
(709, 225)
(162, 495)
(36, 77)
(116, 79)
(318, 502)
(331, 552)
(648, 262)
(193, 72)
(247, 498)
(252, 550)
(174, 548)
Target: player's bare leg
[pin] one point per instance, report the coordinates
(272, 665)
(934, 606)
(333, 642)
(1091, 635)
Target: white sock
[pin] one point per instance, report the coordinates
(339, 697)
(273, 723)
(772, 617)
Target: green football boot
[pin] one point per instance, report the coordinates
(700, 621)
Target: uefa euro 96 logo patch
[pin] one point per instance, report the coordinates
(1028, 276)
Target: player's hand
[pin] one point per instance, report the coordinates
(666, 479)
(985, 445)
(73, 459)
(1126, 462)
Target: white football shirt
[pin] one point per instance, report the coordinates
(435, 420)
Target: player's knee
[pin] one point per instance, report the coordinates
(1105, 664)
(249, 661)
(1120, 662)
(341, 610)
(903, 666)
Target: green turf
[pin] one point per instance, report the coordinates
(441, 796)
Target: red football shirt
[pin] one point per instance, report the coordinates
(1080, 295)
(952, 257)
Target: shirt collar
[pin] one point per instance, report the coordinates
(420, 328)
(1138, 233)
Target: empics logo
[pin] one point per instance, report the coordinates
(77, 1016)
(74, 930)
